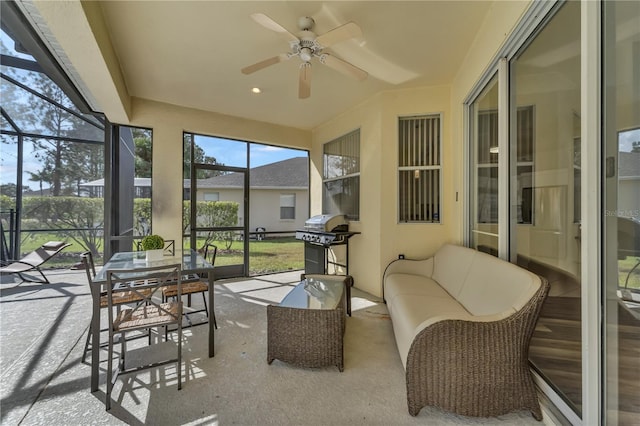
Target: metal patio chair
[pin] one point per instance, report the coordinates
(33, 261)
(145, 315)
(193, 285)
(120, 299)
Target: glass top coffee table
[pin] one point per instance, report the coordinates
(307, 327)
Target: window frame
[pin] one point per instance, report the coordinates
(290, 195)
(436, 217)
(346, 177)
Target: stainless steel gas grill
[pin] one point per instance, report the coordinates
(319, 234)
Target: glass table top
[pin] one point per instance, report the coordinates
(190, 260)
(314, 293)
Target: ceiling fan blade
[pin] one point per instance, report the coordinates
(263, 64)
(343, 32)
(304, 83)
(343, 66)
(272, 25)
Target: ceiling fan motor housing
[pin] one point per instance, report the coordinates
(305, 23)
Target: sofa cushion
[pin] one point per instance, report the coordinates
(410, 310)
(494, 286)
(451, 267)
(398, 283)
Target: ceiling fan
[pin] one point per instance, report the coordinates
(308, 46)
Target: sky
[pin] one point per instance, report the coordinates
(234, 153)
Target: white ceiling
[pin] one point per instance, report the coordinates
(190, 53)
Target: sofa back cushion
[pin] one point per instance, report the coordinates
(493, 286)
(451, 266)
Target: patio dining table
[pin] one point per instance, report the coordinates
(192, 263)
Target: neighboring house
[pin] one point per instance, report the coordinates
(95, 188)
(279, 193)
(279, 199)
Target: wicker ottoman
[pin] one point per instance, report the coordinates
(307, 327)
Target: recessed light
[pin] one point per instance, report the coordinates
(256, 90)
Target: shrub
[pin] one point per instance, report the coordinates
(152, 242)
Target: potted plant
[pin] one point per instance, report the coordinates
(154, 246)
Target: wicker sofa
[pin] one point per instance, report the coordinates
(463, 321)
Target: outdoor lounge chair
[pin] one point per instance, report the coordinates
(33, 261)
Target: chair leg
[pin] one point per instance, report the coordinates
(46, 281)
(179, 365)
(107, 401)
(123, 350)
(86, 345)
(206, 311)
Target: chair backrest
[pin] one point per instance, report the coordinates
(144, 283)
(213, 249)
(89, 266)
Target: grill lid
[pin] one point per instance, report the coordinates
(326, 223)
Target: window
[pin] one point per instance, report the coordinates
(287, 206)
(341, 176)
(211, 196)
(419, 169)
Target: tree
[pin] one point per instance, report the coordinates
(198, 157)
(142, 141)
(10, 189)
(40, 177)
(63, 164)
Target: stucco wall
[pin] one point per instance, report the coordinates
(382, 237)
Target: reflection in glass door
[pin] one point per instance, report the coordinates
(484, 170)
(544, 228)
(621, 135)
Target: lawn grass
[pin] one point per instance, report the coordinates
(265, 257)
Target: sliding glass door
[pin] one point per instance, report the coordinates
(545, 217)
(621, 169)
(524, 185)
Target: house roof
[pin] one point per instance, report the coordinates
(291, 173)
(629, 164)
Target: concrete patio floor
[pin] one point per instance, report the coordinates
(43, 328)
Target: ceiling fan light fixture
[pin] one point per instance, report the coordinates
(306, 54)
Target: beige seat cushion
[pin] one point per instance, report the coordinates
(411, 310)
(494, 286)
(411, 284)
(451, 267)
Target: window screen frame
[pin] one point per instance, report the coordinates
(347, 176)
(402, 167)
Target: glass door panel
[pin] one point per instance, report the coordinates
(621, 54)
(545, 231)
(218, 197)
(279, 197)
(484, 170)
